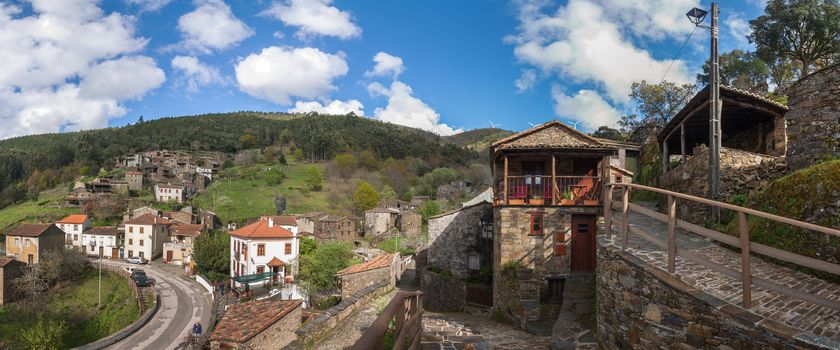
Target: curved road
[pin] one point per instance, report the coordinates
(182, 302)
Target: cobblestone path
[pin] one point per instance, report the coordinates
(778, 293)
(450, 331)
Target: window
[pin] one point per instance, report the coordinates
(536, 227)
(288, 249)
(261, 250)
(17, 241)
(141, 229)
(26, 242)
(142, 255)
(131, 229)
(75, 237)
(75, 227)
(130, 254)
(260, 269)
(131, 241)
(141, 242)
(618, 179)
(474, 262)
(30, 259)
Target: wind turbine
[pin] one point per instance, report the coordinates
(574, 124)
(494, 125)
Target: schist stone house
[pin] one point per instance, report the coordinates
(10, 269)
(28, 242)
(266, 250)
(380, 268)
(145, 235)
(259, 325)
(74, 227)
(548, 183)
(327, 226)
(103, 241)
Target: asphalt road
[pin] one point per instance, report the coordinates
(182, 302)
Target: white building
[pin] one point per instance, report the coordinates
(268, 246)
(145, 235)
(103, 241)
(206, 171)
(74, 227)
(170, 193)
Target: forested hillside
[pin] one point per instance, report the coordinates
(32, 163)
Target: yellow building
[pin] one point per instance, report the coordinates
(28, 242)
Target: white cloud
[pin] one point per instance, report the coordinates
(738, 29)
(386, 65)
(335, 107)
(68, 66)
(583, 42)
(193, 74)
(276, 73)
(656, 19)
(405, 109)
(526, 80)
(586, 106)
(149, 5)
(314, 18)
(212, 26)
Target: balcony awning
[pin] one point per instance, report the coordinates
(252, 278)
(276, 262)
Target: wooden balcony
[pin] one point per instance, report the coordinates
(539, 190)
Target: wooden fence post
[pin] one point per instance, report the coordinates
(672, 234)
(608, 210)
(746, 277)
(625, 225)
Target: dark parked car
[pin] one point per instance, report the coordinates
(142, 281)
(137, 272)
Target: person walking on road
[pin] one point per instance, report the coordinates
(196, 331)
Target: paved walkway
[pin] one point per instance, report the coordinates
(778, 293)
(575, 324)
(183, 301)
(457, 330)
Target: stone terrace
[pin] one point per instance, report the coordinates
(781, 294)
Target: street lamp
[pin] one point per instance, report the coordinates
(697, 16)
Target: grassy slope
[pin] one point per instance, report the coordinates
(242, 193)
(76, 304)
(37, 210)
(478, 139)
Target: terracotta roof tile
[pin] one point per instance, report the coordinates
(30, 230)
(244, 321)
(192, 230)
(378, 262)
(148, 219)
(77, 219)
(5, 260)
(275, 262)
(104, 231)
(260, 229)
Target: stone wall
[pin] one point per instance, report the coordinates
(319, 327)
(279, 334)
(352, 283)
(455, 236)
(643, 307)
(813, 118)
(442, 293)
(741, 172)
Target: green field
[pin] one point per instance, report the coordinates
(36, 210)
(243, 193)
(76, 306)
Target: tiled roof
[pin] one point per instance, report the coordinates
(30, 230)
(148, 219)
(373, 264)
(103, 231)
(244, 321)
(260, 229)
(275, 262)
(313, 215)
(193, 230)
(134, 173)
(285, 220)
(5, 260)
(553, 134)
(77, 219)
(333, 218)
(383, 210)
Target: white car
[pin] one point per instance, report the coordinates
(136, 260)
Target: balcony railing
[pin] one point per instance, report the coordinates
(548, 190)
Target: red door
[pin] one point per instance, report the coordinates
(583, 243)
(168, 256)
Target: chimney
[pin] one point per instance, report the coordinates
(270, 222)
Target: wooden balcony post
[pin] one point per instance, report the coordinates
(682, 141)
(672, 233)
(506, 180)
(608, 211)
(665, 156)
(553, 180)
(625, 225)
(746, 277)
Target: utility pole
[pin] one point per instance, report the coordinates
(715, 105)
(100, 280)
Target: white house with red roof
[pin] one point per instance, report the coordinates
(145, 235)
(266, 250)
(74, 227)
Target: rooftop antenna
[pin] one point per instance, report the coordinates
(494, 125)
(574, 124)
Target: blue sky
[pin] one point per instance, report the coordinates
(443, 66)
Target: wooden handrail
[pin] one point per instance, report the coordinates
(743, 241)
(406, 309)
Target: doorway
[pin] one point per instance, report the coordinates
(583, 243)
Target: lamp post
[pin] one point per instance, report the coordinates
(697, 16)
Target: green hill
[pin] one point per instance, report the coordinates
(318, 137)
(478, 139)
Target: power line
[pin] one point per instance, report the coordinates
(678, 54)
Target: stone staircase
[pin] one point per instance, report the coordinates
(442, 334)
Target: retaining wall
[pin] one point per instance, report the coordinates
(442, 293)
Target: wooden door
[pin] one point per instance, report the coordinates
(115, 253)
(583, 243)
(168, 256)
